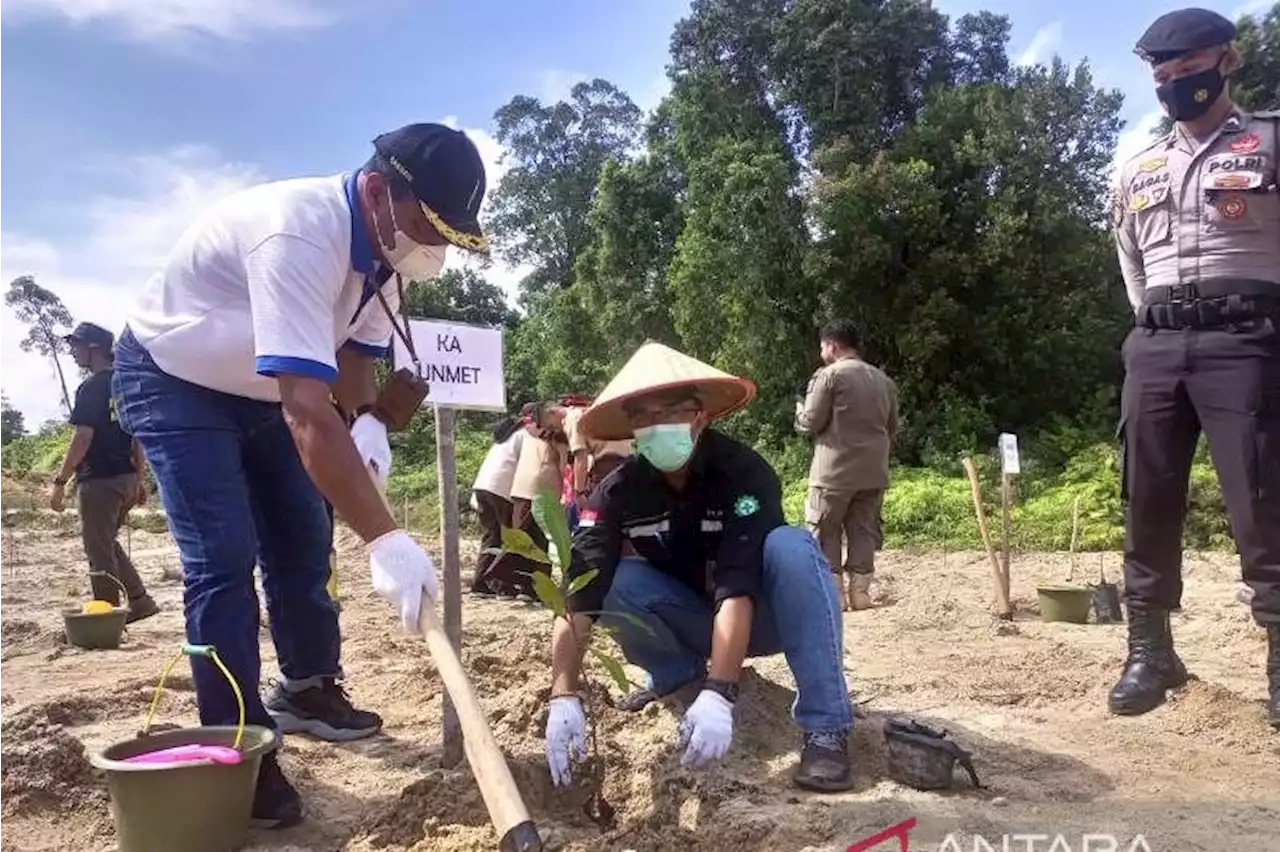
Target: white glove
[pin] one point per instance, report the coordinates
(401, 572)
(706, 729)
(370, 437)
(566, 738)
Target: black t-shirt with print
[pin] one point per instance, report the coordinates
(111, 450)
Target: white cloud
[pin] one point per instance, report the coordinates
(1253, 7)
(113, 244)
(1136, 137)
(151, 20)
(495, 166)
(1042, 44)
(114, 241)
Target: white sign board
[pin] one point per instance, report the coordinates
(461, 363)
(1009, 453)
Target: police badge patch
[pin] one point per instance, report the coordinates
(746, 506)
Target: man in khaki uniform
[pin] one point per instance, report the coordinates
(1197, 224)
(851, 410)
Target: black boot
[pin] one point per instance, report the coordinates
(1273, 674)
(1152, 667)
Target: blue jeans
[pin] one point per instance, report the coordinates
(236, 493)
(797, 613)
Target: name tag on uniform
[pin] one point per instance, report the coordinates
(1235, 180)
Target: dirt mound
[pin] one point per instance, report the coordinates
(633, 794)
(44, 766)
(1219, 718)
(18, 630)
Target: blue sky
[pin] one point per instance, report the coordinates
(125, 117)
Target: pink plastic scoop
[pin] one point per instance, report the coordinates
(189, 754)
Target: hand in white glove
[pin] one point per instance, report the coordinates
(566, 738)
(706, 729)
(370, 437)
(401, 572)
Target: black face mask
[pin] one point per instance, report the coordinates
(1188, 98)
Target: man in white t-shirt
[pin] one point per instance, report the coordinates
(276, 301)
(491, 498)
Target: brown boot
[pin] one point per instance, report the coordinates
(140, 608)
(860, 591)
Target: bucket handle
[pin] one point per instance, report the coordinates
(211, 653)
(113, 578)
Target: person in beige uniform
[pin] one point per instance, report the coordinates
(1197, 226)
(851, 411)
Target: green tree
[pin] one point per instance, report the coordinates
(460, 295)
(11, 422)
(539, 209)
(47, 320)
(974, 255)
(1257, 84)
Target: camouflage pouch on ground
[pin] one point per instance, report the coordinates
(923, 758)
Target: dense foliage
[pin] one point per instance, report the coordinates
(870, 159)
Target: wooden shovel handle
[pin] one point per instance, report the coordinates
(493, 776)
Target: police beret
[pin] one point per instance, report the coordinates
(1182, 31)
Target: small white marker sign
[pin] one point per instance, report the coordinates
(1009, 453)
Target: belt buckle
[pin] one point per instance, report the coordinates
(1184, 294)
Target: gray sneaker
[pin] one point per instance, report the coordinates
(323, 711)
(824, 763)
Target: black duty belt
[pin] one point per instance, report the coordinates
(1209, 304)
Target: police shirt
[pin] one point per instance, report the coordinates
(709, 536)
(110, 451)
(1189, 210)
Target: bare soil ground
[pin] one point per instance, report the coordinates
(1200, 773)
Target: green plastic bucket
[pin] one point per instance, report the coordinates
(96, 631)
(1065, 603)
(191, 807)
(196, 806)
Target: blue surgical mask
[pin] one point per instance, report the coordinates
(667, 446)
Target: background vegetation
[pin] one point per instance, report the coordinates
(875, 160)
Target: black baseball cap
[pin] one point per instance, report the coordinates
(444, 170)
(1183, 31)
(91, 335)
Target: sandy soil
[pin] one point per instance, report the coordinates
(1201, 773)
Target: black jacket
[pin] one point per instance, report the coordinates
(710, 536)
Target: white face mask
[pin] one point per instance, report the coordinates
(412, 260)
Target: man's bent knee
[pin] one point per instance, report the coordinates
(791, 548)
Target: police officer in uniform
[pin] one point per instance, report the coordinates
(1197, 223)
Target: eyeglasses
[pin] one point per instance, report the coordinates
(652, 416)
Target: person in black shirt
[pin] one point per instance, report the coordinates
(697, 570)
(107, 466)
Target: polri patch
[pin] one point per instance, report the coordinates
(746, 506)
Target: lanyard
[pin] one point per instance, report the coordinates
(403, 332)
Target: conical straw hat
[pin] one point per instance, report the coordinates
(655, 367)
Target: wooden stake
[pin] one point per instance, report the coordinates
(1075, 533)
(448, 490)
(1002, 593)
(1006, 528)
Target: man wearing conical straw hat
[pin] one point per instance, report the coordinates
(697, 571)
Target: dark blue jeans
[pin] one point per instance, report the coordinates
(236, 493)
(797, 613)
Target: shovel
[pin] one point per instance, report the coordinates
(1106, 599)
